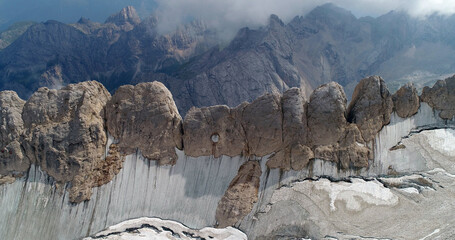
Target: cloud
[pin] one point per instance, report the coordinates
(227, 15)
(232, 14)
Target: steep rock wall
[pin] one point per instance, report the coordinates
(284, 134)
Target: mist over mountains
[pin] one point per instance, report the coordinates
(327, 44)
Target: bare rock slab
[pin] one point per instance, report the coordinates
(145, 117)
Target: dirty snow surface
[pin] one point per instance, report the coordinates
(158, 229)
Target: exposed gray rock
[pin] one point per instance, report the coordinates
(52, 78)
(239, 198)
(262, 122)
(214, 131)
(293, 154)
(441, 97)
(331, 137)
(145, 117)
(294, 117)
(12, 157)
(300, 156)
(371, 106)
(406, 101)
(65, 135)
(326, 119)
(127, 18)
(352, 152)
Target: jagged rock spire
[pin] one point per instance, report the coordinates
(127, 15)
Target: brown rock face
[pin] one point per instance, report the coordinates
(371, 106)
(65, 134)
(294, 117)
(406, 101)
(214, 131)
(262, 121)
(293, 154)
(239, 198)
(326, 119)
(300, 156)
(145, 117)
(11, 128)
(441, 97)
(351, 149)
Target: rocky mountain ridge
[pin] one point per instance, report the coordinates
(328, 44)
(80, 155)
(64, 131)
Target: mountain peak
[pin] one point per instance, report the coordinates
(275, 19)
(125, 16)
(330, 10)
(84, 20)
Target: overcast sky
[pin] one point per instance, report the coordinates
(218, 13)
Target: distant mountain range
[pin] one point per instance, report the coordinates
(327, 44)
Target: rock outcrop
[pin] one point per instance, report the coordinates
(262, 121)
(126, 18)
(214, 131)
(239, 198)
(441, 97)
(12, 159)
(65, 135)
(326, 114)
(293, 154)
(371, 106)
(294, 117)
(330, 135)
(352, 152)
(145, 117)
(406, 101)
(64, 132)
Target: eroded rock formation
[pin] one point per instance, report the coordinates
(65, 134)
(293, 154)
(214, 131)
(262, 121)
(370, 107)
(406, 101)
(12, 158)
(326, 114)
(145, 117)
(441, 97)
(239, 198)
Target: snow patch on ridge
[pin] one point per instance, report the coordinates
(155, 228)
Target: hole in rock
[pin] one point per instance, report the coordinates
(215, 137)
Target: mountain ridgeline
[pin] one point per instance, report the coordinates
(327, 44)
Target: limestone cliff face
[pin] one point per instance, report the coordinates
(441, 97)
(326, 114)
(214, 131)
(293, 154)
(370, 107)
(246, 191)
(240, 196)
(12, 157)
(330, 135)
(65, 134)
(406, 101)
(262, 121)
(145, 117)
